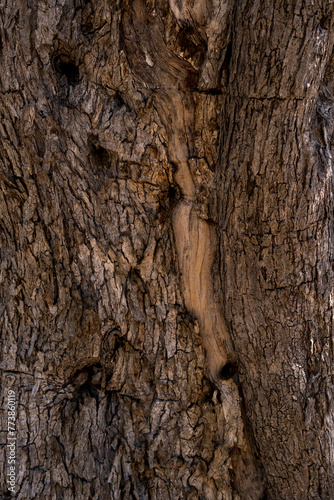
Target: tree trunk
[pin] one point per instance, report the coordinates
(166, 249)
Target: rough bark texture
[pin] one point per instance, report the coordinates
(166, 248)
(276, 246)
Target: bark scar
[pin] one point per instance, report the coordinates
(196, 245)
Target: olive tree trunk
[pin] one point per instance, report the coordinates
(166, 249)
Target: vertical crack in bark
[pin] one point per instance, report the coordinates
(196, 245)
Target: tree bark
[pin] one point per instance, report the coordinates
(166, 249)
(276, 227)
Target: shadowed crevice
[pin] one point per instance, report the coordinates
(228, 371)
(65, 67)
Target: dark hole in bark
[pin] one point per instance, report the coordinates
(119, 343)
(89, 390)
(191, 44)
(211, 91)
(87, 379)
(191, 80)
(325, 22)
(172, 193)
(173, 196)
(219, 397)
(87, 382)
(103, 162)
(228, 56)
(100, 156)
(119, 101)
(68, 69)
(228, 371)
